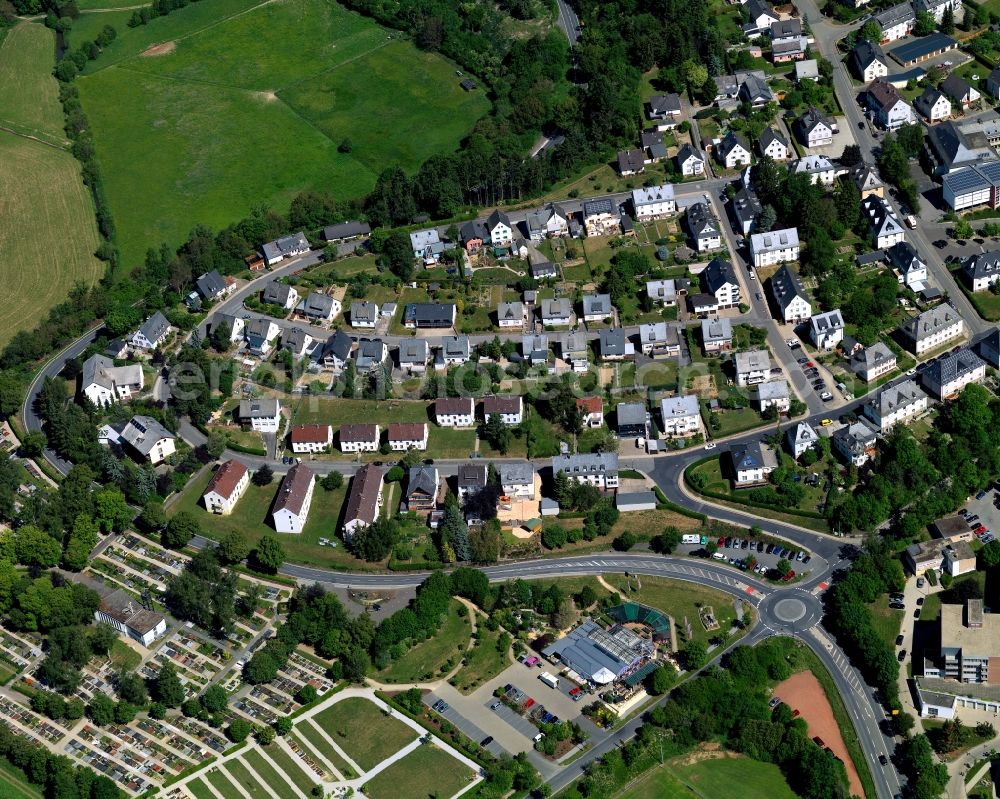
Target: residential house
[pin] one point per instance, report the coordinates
(690, 161)
(873, 362)
(896, 22)
(746, 208)
(784, 28)
(704, 227)
(280, 294)
(902, 402)
(790, 295)
(226, 487)
(346, 231)
(989, 348)
(123, 612)
(601, 218)
(297, 341)
(816, 129)
(591, 410)
(820, 169)
(236, 326)
(658, 339)
(335, 353)
(319, 307)
(535, 349)
(262, 415)
(752, 367)
(500, 229)
(751, 463)
(932, 329)
(413, 354)
(455, 412)
(721, 282)
(429, 315)
(703, 304)
(614, 345)
(754, 90)
(557, 313)
(599, 469)
(771, 394)
(152, 333)
(212, 285)
(631, 162)
(773, 144)
(517, 480)
(716, 335)
(681, 416)
(801, 438)
(364, 314)
(544, 270)
(311, 438)
(807, 69)
(827, 329)
(950, 373)
(118, 348)
(761, 15)
(982, 270)
(547, 222)
(150, 439)
(665, 110)
(960, 90)
(933, 105)
(734, 151)
(789, 48)
(653, 202)
(666, 292)
(509, 408)
(472, 478)
(883, 225)
(575, 352)
(455, 351)
(475, 235)
(426, 245)
(371, 355)
(855, 442)
(957, 145)
(775, 247)
(103, 383)
(936, 8)
(891, 110)
(359, 438)
(285, 247)
(261, 333)
(631, 419)
(869, 61)
(291, 506)
(868, 181)
(907, 265)
(510, 315)
(403, 436)
(364, 501)
(596, 307)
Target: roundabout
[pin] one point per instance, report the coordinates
(790, 611)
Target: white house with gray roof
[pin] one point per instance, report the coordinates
(775, 247)
(896, 22)
(950, 373)
(614, 345)
(816, 129)
(665, 292)
(704, 227)
(680, 416)
(149, 438)
(535, 349)
(413, 354)
(557, 313)
(773, 144)
(510, 315)
(790, 295)
(297, 341)
(575, 352)
(104, 383)
(981, 270)
(752, 367)
(827, 329)
(285, 247)
(820, 169)
(370, 355)
(454, 351)
(596, 307)
(658, 339)
(801, 438)
(771, 394)
(721, 282)
(153, 332)
(280, 294)
(717, 335)
(653, 202)
(855, 442)
(364, 314)
(517, 479)
(599, 469)
(261, 334)
(873, 362)
(933, 328)
(261, 415)
(319, 307)
(894, 404)
(426, 245)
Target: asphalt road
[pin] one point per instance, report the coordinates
(569, 22)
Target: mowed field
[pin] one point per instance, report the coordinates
(715, 778)
(48, 233)
(198, 118)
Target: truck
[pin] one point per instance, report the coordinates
(691, 539)
(549, 679)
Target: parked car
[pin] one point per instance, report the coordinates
(899, 640)
(900, 657)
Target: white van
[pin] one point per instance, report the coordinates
(719, 556)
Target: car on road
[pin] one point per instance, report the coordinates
(711, 445)
(803, 360)
(911, 372)
(826, 422)
(883, 760)
(486, 741)
(861, 125)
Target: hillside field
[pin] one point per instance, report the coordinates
(49, 235)
(249, 106)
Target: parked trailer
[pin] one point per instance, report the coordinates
(691, 539)
(550, 680)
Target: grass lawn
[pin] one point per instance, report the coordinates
(222, 782)
(337, 412)
(15, 783)
(44, 198)
(265, 771)
(363, 732)
(290, 768)
(252, 517)
(27, 55)
(212, 128)
(124, 657)
(446, 442)
(986, 303)
(887, 621)
(426, 771)
(199, 790)
(425, 660)
(731, 421)
(483, 662)
(240, 774)
(309, 739)
(720, 778)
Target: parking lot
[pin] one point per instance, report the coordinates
(989, 515)
(734, 555)
(475, 715)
